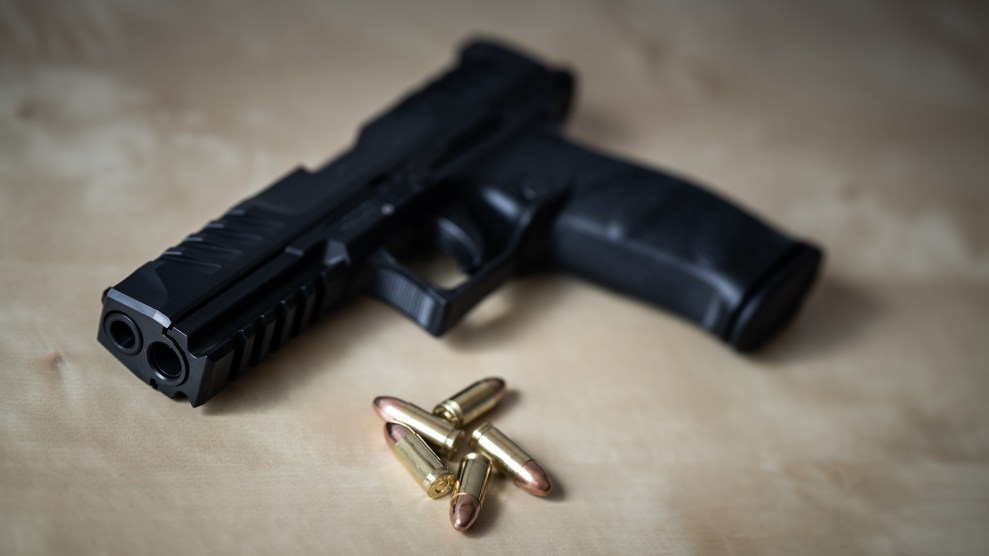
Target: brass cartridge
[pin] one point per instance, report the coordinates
(419, 459)
(472, 402)
(468, 493)
(511, 460)
(441, 434)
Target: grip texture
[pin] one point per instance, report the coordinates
(674, 244)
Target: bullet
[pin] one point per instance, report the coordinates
(419, 459)
(468, 493)
(472, 402)
(510, 459)
(444, 436)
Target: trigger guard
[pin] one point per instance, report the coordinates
(393, 283)
(434, 308)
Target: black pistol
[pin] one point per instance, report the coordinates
(474, 164)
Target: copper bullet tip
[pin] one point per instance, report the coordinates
(464, 509)
(496, 384)
(387, 406)
(394, 432)
(532, 479)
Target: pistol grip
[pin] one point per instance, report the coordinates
(672, 243)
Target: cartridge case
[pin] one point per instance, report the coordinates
(441, 434)
(511, 460)
(469, 490)
(472, 402)
(419, 459)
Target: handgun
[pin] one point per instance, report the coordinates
(473, 165)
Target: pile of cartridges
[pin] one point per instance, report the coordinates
(417, 436)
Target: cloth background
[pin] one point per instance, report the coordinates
(863, 428)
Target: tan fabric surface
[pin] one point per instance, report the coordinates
(863, 429)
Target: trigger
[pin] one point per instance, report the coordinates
(456, 235)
